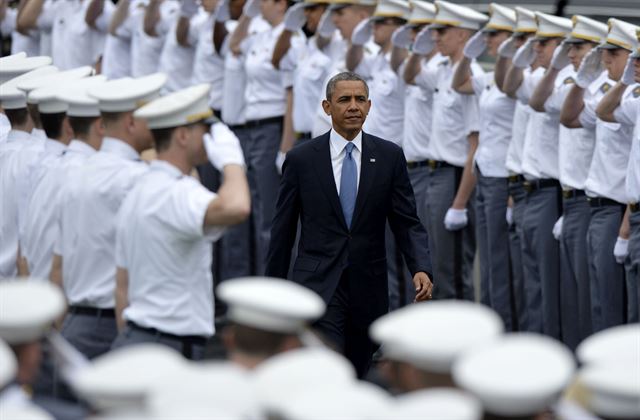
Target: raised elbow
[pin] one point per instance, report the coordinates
(239, 212)
(537, 106)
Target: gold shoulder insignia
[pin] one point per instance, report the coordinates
(636, 91)
(569, 80)
(605, 87)
(367, 49)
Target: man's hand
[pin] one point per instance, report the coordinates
(508, 48)
(223, 147)
(590, 68)
(251, 8)
(628, 74)
(222, 11)
(401, 37)
(423, 285)
(525, 56)
(557, 228)
(621, 250)
(455, 219)
(362, 33)
(326, 28)
(560, 57)
(295, 19)
(475, 46)
(423, 44)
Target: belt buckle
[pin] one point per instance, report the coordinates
(528, 186)
(412, 165)
(433, 164)
(566, 193)
(634, 207)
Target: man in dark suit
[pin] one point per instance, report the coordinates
(343, 187)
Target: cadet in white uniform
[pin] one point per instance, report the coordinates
(166, 224)
(147, 43)
(496, 119)
(28, 42)
(540, 251)
(454, 134)
(84, 254)
(575, 152)
(117, 58)
(605, 184)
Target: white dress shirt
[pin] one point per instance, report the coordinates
(87, 222)
(338, 151)
(146, 49)
(608, 169)
(208, 65)
(629, 113)
(41, 228)
(5, 127)
(117, 58)
(163, 245)
(29, 44)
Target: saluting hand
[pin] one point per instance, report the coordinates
(326, 27)
(475, 46)
(401, 37)
(590, 69)
(525, 56)
(423, 44)
(560, 58)
(295, 19)
(424, 287)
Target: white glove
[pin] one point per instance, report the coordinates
(509, 216)
(401, 37)
(508, 48)
(627, 76)
(280, 157)
(621, 250)
(222, 11)
(188, 8)
(475, 46)
(223, 147)
(362, 33)
(525, 56)
(560, 57)
(590, 68)
(455, 219)
(295, 19)
(423, 44)
(251, 8)
(326, 28)
(557, 228)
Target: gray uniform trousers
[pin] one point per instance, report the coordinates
(541, 260)
(518, 194)
(633, 268)
(608, 287)
(492, 233)
(453, 252)
(192, 349)
(91, 335)
(260, 146)
(575, 311)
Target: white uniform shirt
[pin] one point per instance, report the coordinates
(5, 127)
(30, 43)
(387, 94)
(629, 113)
(146, 49)
(208, 65)
(116, 62)
(417, 119)
(496, 124)
(575, 147)
(41, 229)
(265, 95)
(87, 222)
(455, 116)
(162, 243)
(608, 168)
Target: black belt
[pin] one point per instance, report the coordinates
(572, 193)
(422, 163)
(303, 135)
(602, 202)
(97, 312)
(237, 126)
(437, 164)
(515, 178)
(264, 121)
(187, 341)
(634, 207)
(531, 186)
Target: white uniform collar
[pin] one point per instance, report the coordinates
(81, 147)
(38, 133)
(54, 146)
(338, 143)
(18, 135)
(166, 167)
(120, 148)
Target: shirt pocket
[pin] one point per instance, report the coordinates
(385, 83)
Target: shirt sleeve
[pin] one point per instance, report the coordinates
(103, 21)
(471, 112)
(45, 20)
(628, 112)
(427, 78)
(8, 24)
(528, 85)
(365, 68)
(553, 104)
(166, 23)
(478, 83)
(120, 252)
(588, 115)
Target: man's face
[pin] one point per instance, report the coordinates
(272, 9)
(348, 106)
(636, 70)
(494, 39)
(383, 29)
(449, 40)
(194, 143)
(235, 8)
(346, 19)
(544, 51)
(614, 61)
(577, 52)
(209, 5)
(313, 15)
(140, 131)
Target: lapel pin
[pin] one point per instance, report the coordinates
(372, 160)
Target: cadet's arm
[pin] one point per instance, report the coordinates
(572, 108)
(610, 101)
(95, 9)
(239, 34)
(354, 56)
(625, 225)
(3, 9)
(55, 275)
(282, 47)
(152, 17)
(182, 31)
(461, 82)
(22, 265)
(500, 71)
(544, 89)
(398, 56)
(513, 80)
(288, 134)
(233, 203)
(122, 295)
(28, 16)
(412, 68)
(219, 34)
(468, 180)
(119, 16)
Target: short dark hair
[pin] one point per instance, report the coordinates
(256, 342)
(17, 116)
(345, 76)
(52, 124)
(81, 125)
(35, 114)
(162, 137)
(111, 117)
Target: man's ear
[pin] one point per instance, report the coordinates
(368, 107)
(182, 136)
(326, 106)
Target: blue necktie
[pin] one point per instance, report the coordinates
(348, 184)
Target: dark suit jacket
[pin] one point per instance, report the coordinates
(308, 193)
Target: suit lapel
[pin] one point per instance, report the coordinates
(325, 175)
(367, 174)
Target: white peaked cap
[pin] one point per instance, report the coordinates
(341, 3)
(519, 374)
(422, 12)
(8, 364)
(124, 377)
(454, 327)
(636, 54)
(15, 65)
(440, 403)
(13, 98)
(612, 391)
(26, 411)
(270, 304)
(621, 35)
(615, 345)
(525, 21)
(53, 79)
(393, 8)
(128, 94)
(586, 29)
(501, 18)
(287, 374)
(28, 307)
(77, 98)
(49, 98)
(550, 26)
(179, 108)
(450, 14)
